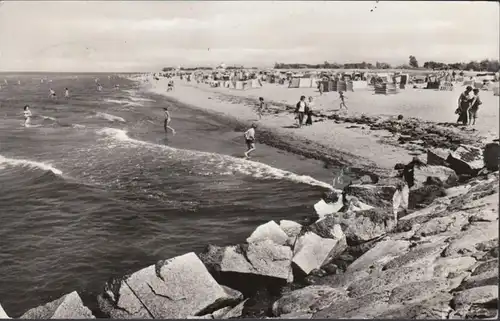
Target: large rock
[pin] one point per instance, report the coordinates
(312, 251)
(270, 259)
(470, 241)
(292, 230)
(444, 174)
(265, 258)
(437, 225)
(175, 288)
(307, 300)
(3, 314)
(485, 274)
(269, 231)
(435, 307)
(467, 301)
(491, 155)
(69, 306)
(362, 226)
(374, 195)
(381, 253)
(466, 160)
(437, 156)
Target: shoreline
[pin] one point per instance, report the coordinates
(363, 145)
(417, 229)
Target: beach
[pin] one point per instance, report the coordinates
(359, 147)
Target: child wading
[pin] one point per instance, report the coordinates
(250, 140)
(167, 121)
(262, 106)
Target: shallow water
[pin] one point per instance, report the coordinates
(95, 188)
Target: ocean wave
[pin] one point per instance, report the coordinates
(116, 101)
(29, 163)
(48, 117)
(110, 117)
(225, 164)
(135, 98)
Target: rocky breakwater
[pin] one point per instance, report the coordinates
(368, 252)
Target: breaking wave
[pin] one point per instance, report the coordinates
(29, 163)
(225, 165)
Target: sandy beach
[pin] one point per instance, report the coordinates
(357, 146)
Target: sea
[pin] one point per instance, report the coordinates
(95, 189)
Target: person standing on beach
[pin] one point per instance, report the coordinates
(474, 106)
(262, 106)
(309, 111)
(320, 87)
(27, 116)
(463, 106)
(250, 140)
(168, 119)
(300, 110)
(342, 100)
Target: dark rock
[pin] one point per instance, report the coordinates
(491, 155)
(437, 156)
(466, 160)
(374, 195)
(425, 195)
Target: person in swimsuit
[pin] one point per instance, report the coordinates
(66, 93)
(250, 140)
(300, 110)
(27, 116)
(464, 102)
(261, 107)
(342, 100)
(52, 93)
(166, 123)
(99, 87)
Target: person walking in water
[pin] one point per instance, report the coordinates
(167, 121)
(300, 110)
(52, 93)
(262, 106)
(342, 100)
(27, 116)
(474, 106)
(250, 140)
(66, 93)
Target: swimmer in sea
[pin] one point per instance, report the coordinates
(52, 93)
(99, 87)
(66, 93)
(168, 118)
(250, 140)
(27, 116)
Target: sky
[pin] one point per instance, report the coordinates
(149, 35)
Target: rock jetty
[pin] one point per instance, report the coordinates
(436, 257)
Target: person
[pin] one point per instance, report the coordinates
(99, 87)
(320, 87)
(170, 85)
(167, 121)
(27, 116)
(309, 111)
(262, 106)
(117, 86)
(66, 92)
(474, 106)
(52, 93)
(463, 105)
(342, 100)
(300, 110)
(250, 140)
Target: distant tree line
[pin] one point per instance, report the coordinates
(483, 65)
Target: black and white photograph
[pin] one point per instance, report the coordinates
(249, 159)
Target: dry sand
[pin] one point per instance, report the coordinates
(361, 146)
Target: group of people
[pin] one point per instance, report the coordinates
(468, 106)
